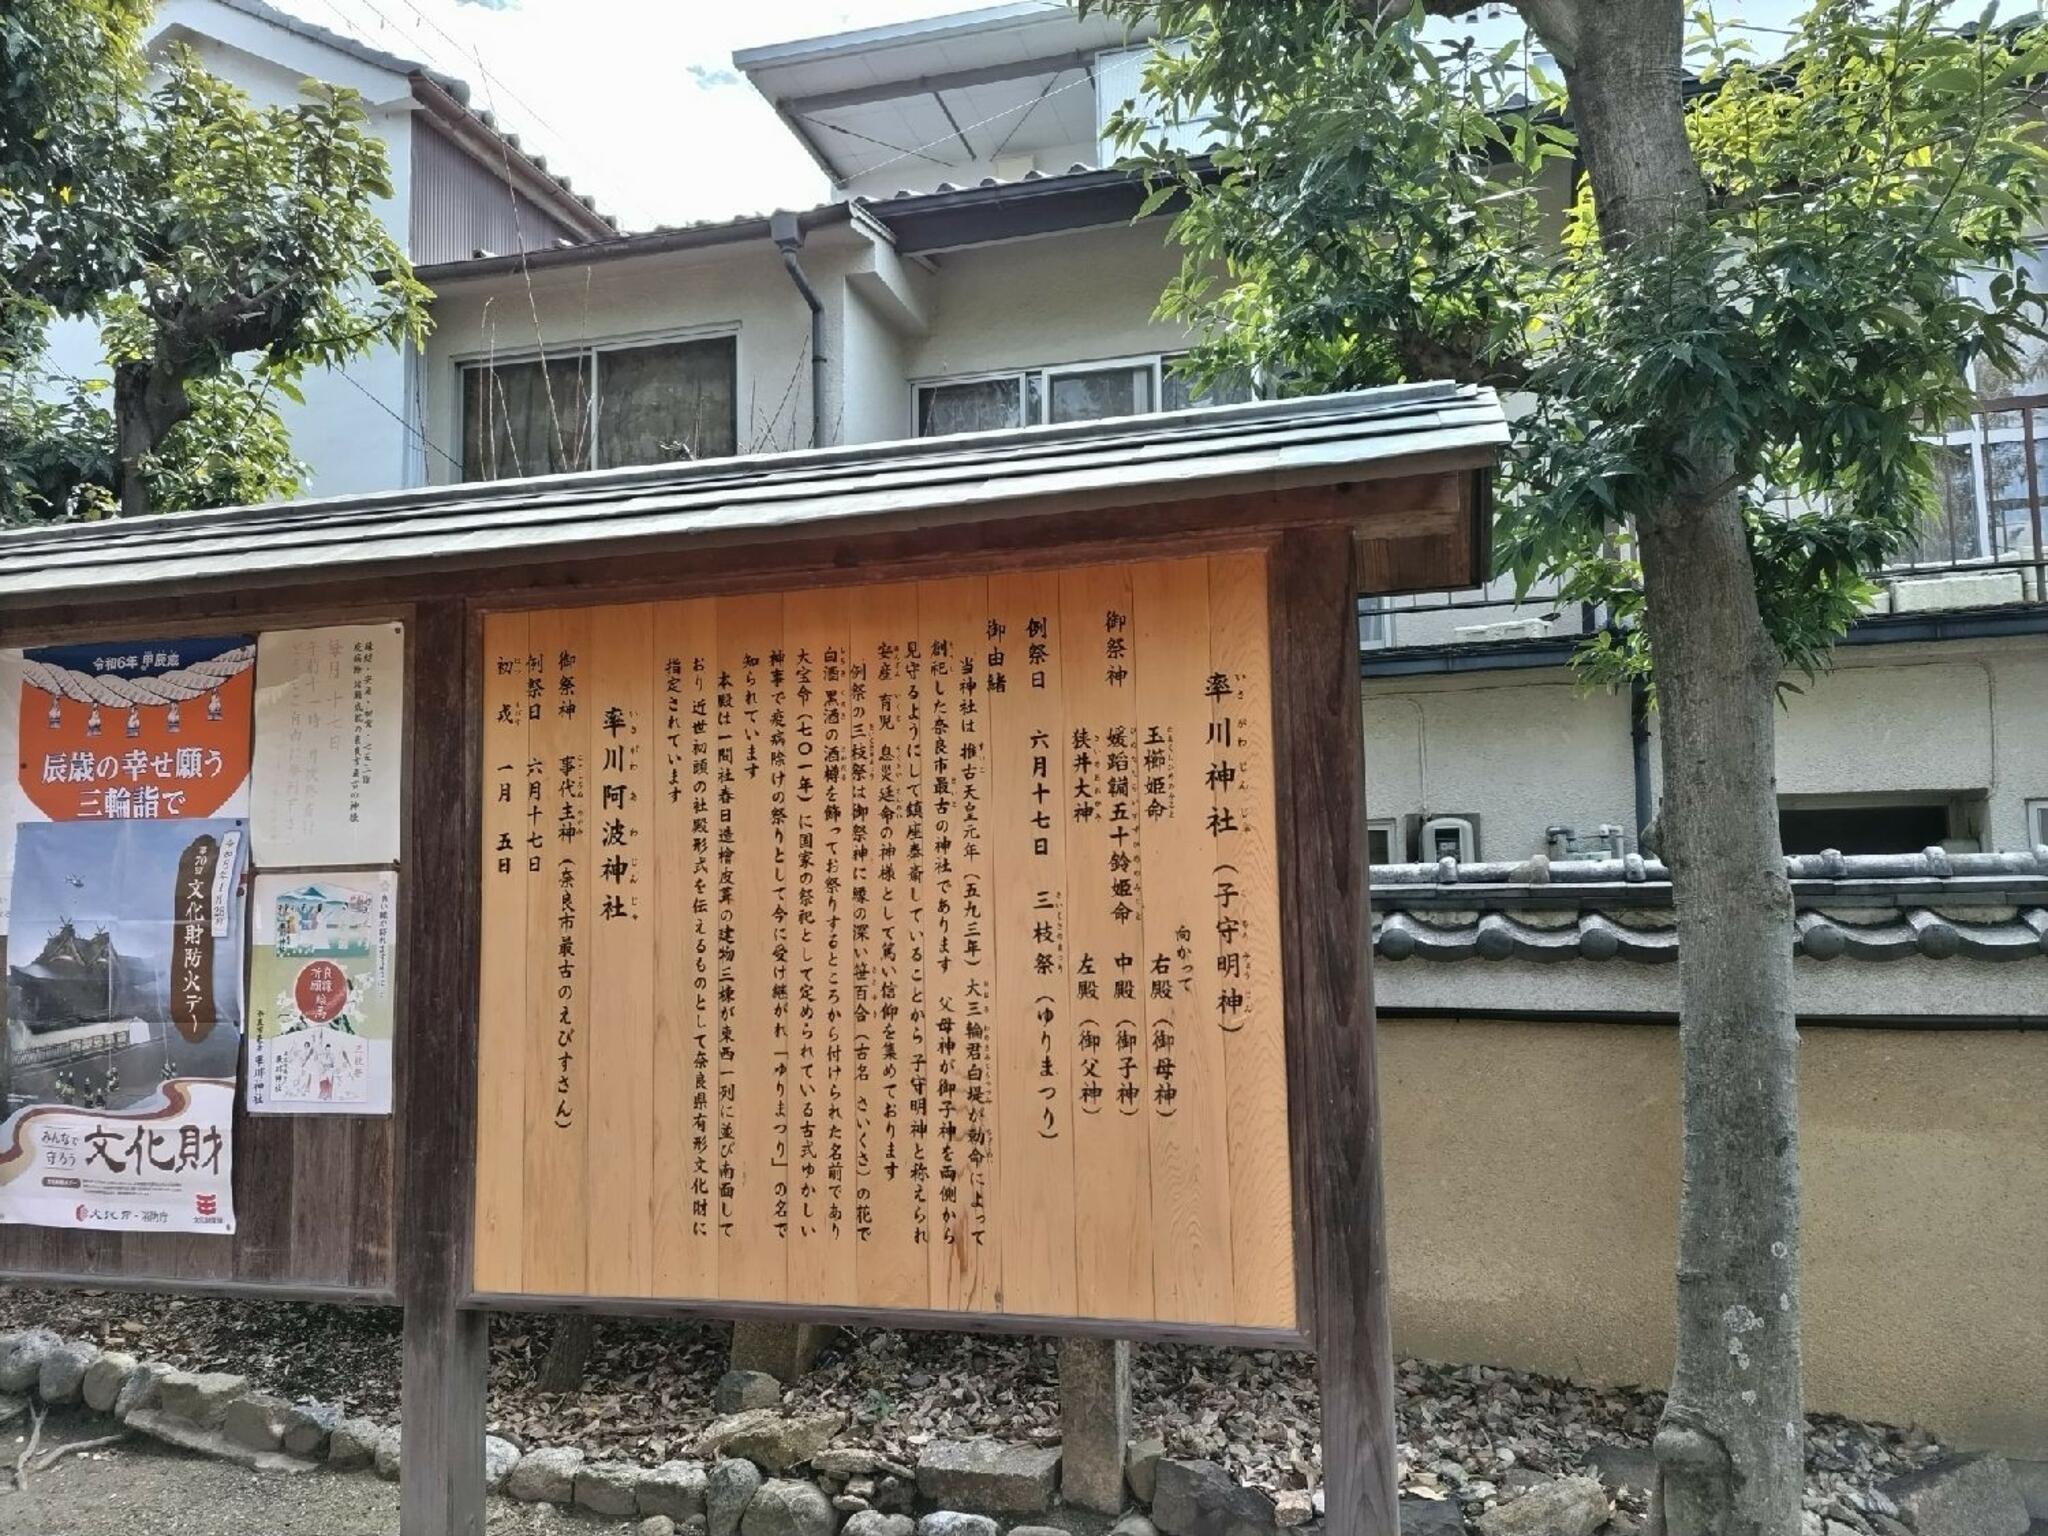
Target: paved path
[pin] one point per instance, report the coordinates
(142, 1489)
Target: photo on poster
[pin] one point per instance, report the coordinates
(124, 1025)
(324, 786)
(320, 1008)
(138, 730)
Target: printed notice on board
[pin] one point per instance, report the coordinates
(320, 994)
(124, 1025)
(328, 710)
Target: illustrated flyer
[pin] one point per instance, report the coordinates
(320, 994)
(124, 1025)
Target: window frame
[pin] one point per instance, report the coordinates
(1034, 384)
(592, 348)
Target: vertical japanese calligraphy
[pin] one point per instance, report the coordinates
(892, 946)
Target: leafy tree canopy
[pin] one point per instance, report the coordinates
(223, 248)
(1387, 210)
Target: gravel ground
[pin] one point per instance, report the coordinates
(143, 1488)
(1467, 1432)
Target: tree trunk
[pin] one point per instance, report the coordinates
(568, 1353)
(1730, 1448)
(148, 402)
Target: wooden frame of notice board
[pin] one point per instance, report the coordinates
(1379, 493)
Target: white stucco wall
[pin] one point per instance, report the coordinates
(349, 432)
(741, 289)
(1524, 749)
(1057, 299)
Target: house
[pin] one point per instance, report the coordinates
(459, 186)
(976, 266)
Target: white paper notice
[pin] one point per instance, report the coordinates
(329, 704)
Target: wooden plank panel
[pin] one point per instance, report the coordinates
(751, 1256)
(1247, 1001)
(961, 1112)
(322, 1193)
(504, 1022)
(370, 1256)
(558, 954)
(821, 1260)
(1034, 1037)
(890, 1265)
(1112, 1159)
(618, 693)
(685, 1076)
(1186, 1094)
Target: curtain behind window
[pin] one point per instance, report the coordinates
(511, 427)
(672, 400)
(1092, 396)
(977, 406)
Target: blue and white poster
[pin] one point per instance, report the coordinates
(124, 1025)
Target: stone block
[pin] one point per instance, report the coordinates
(352, 1444)
(988, 1477)
(1095, 1422)
(1956, 589)
(21, 1358)
(546, 1476)
(1963, 1496)
(256, 1420)
(200, 1397)
(872, 1522)
(1199, 1498)
(142, 1388)
(951, 1522)
(187, 1436)
(785, 1507)
(1141, 1465)
(782, 1350)
(62, 1377)
(738, 1391)
(390, 1453)
(1622, 1466)
(728, 1487)
(103, 1378)
(608, 1487)
(774, 1441)
(1569, 1506)
(500, 1457)
(309, 1428)
(675, 1489)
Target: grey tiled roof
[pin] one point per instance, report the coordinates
(1982, 906)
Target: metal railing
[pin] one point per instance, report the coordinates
(1992, 472)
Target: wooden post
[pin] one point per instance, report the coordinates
(442, 1484)
(1321, 804)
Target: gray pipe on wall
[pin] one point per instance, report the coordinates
(788, 236)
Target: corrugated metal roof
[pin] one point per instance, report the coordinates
(1259, 446)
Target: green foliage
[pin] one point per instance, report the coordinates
(1386, 211)
(223, 248)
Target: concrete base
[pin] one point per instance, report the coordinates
(782, 1350)
(1095, 1422)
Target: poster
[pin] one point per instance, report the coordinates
(124, 1015)
(10, 731)
(320, 994)
(141, 730)
(328, 714)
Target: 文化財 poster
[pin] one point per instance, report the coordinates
(138, 730)
(124, 1025)
(320, 993)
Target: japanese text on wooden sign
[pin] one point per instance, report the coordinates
(898, 946)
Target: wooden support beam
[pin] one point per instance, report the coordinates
(445, 1354)
(1318, 728)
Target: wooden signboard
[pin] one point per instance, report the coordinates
(903, 946)
(914, 884)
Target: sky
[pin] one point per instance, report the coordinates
(635, 100)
